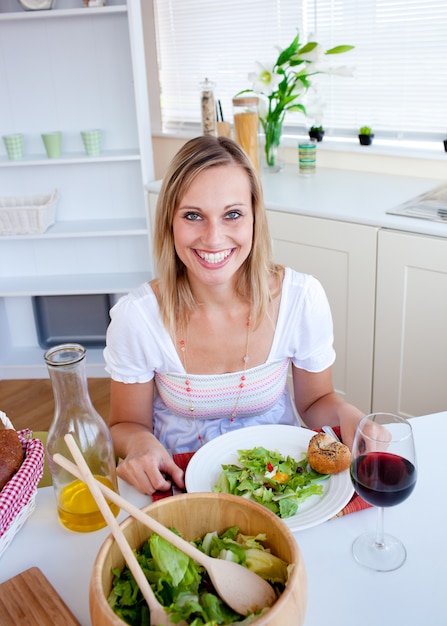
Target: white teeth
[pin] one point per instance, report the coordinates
(214, 257)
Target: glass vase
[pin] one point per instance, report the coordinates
(74, 413)
(273, 133)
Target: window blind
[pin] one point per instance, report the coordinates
(399, 82)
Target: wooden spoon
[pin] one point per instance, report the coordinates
(243, 590)
(158, 614)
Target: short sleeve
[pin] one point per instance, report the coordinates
(305, 327)
(127, 340)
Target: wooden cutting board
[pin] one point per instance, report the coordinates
(29, 599)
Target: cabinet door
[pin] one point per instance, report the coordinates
(410, 370)
(342, 257)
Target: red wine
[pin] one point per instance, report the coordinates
(383, 479)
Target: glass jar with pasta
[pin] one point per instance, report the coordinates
(246, 123)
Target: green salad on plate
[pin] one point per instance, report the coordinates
(280, 483)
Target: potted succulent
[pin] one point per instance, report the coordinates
(365, 135)
(316, 132)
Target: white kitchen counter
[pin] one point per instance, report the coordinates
(348, 196)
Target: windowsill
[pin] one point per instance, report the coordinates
(380, 147)
(385, 147)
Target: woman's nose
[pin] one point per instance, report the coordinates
(213, 232)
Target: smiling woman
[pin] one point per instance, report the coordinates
(206, 347)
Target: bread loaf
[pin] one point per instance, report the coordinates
(328, 456)
(11, 455)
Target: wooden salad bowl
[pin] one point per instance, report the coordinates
(195, 514)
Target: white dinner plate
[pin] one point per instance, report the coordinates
(206, 465)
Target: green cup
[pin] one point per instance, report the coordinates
(53, 144)
(92, 142)
(14, 146)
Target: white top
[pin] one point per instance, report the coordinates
(139, 348)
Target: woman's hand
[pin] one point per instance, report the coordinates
(147, 465)
(318, 404)
(350, 417)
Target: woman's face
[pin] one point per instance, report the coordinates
(213, 225)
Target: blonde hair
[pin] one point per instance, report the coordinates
(175, 297)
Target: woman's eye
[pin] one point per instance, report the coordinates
(232, 215)
(192, 216)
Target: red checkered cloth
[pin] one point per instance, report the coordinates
(355, 504)
(20, 489)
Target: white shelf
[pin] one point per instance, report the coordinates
(64, 284)
(78, 68)
(88, 228)
(54, 14)
(73, 159)
(29, 363)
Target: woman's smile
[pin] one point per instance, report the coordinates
(214, 258)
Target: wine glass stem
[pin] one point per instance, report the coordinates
(380, 541)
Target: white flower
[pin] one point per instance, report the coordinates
(265, 80)
(314, 55)
(263, 106)
(298, 90)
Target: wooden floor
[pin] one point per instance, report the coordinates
(30, 403)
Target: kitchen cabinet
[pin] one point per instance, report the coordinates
(410, 353)
(342, 256)
(72, 69)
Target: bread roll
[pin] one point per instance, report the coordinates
(11, 455)
(328, 456)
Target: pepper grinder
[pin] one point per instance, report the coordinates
(209, 122)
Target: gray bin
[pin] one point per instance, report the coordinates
(74, 319)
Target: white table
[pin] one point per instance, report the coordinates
(341, 592)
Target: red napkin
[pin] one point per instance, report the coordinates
(355, 504)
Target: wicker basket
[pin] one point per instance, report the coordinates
(17, 498)
(26, 215)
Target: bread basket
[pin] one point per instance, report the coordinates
(17, 498)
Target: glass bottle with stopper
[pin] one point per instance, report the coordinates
(74, 413)
(209, 122)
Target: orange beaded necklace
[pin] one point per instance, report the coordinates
(241, 384)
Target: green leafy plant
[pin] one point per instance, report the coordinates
(316, 132)
(281, 85)
(365, 130)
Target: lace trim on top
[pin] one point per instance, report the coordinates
(213, 395)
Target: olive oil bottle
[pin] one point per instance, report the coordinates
(74, 413)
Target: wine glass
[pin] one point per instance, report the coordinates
(383, 472)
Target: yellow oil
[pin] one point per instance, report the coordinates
(78, 510)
